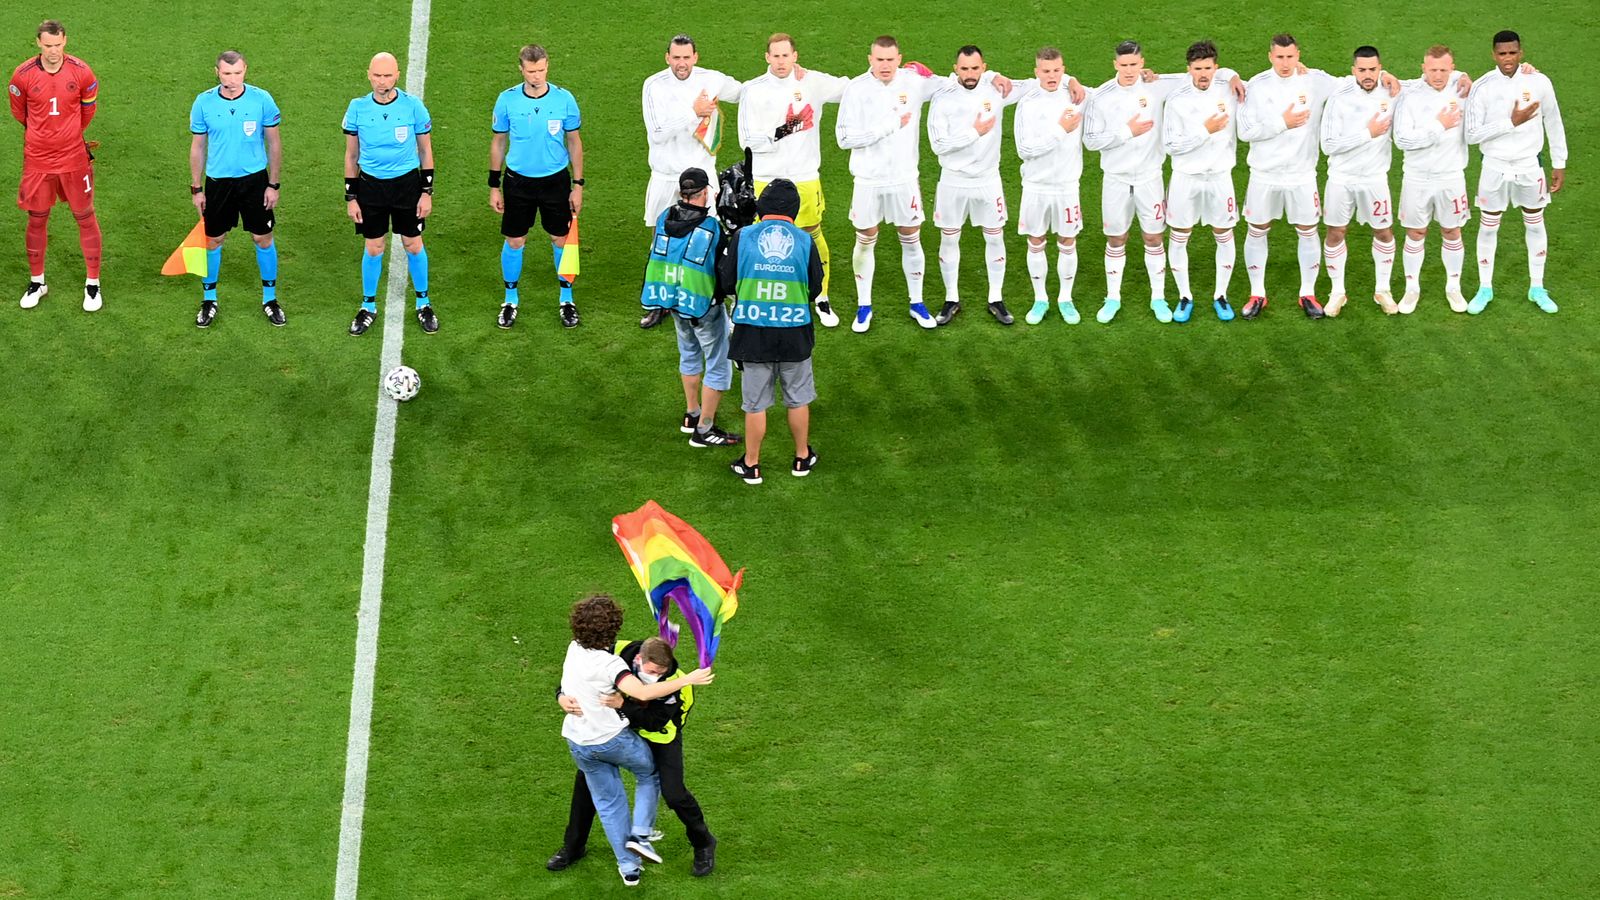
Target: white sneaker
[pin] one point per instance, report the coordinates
(1458, 303)
(93, 299)
(862, 321)
(1385, 302)
(1334, 304)
(825, 314)
(35, 292)
(1408, 302)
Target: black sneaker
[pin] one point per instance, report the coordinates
(430, 322)
(272, 311)
(363, 321)
(947, 312)
(705, 859)
(507, 317)
(713, 437)
(691, 423)
(999, 311)
(653, 318)
(804, 464)
(750, 474)
(569, 315)
(208, 312)
(564, 857)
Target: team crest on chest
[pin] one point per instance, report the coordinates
(986, 106)
(1526, 96)
(1302, 100)
(904, 99)
(1143, 101)
(249, 129)
(775, 242)
(797, 96)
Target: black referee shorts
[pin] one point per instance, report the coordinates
(547, 198)
(389, 204)
(230, 200)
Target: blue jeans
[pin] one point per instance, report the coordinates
(600, 766)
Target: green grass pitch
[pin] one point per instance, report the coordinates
(1277, 608)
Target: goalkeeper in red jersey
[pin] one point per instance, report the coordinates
(53, 96)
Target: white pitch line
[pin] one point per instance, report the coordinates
(359, 742)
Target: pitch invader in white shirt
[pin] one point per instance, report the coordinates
(880, 124)
(964, 130)
(1355, 136)
(1125, 124)
(1282, 120)
(1509, 116)
(780, 116)
(1199, 133)
(1049, 139)
(1432, 137)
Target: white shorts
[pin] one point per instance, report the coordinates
(1368, 202)
(1197, 199)
(984, 206)
(1442, 201)
(1044, 211)
(899, 205)
(662, 193)
(1266, 203)
(1498, 191)
(1119, 200)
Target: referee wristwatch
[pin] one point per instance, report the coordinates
(577, 182)
(275, 185)
(195, 189)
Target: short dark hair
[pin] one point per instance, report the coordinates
(596, 619)
(681, 39)
(1127, 47)
(1284, 40)
(658, 652)
(969, 50)
(229, 57)
(1047, 53)
(532, 53)
(51, 26)
(1366, 51)
(1201, 50)
(1500, 37)
(886, 41)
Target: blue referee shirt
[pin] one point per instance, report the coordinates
(387, 133)
(234, 130)
(538, 127)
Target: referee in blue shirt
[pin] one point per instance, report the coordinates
(237, 150)
(543, 173)
(388, 184)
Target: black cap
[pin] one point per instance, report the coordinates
(693, 181)
(781, 198)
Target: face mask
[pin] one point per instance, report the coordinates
(648, 678)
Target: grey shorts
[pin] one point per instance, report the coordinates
(703, 347)
(760, 378)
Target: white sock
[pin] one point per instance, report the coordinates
(1116, 257)
(1227, 255)
(1178, 261)
(1538, 246)
(994, 257)
(1038, 269)
(864, 261)
(1310, 258)
(1333, 262)
(1382, 264)
(950, 264)
(1412, 264)
(1488, 239)
(1454, 254)
(1255, 260)
(1155, 265)
(913, 261)
(1066, 270)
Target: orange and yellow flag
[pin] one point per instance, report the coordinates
(567, 270)
(190, 257)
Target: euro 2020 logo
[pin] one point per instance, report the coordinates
(775, 242)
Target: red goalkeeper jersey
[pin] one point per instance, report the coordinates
(54, 111)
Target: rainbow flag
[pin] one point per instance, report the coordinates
(567, 269)
(709, 132)
(676, 566)
(190, 257)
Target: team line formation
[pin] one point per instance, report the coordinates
(1288, 114)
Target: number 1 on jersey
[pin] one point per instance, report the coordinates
(53, 110)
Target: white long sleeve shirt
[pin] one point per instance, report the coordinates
(1353, 153)
(1194, 150)
(670, 120)
(1427, 150)
(1279, 154)
(966, 158)
(768, 100)
(1515, 151)
(1052, 157)
(882, 151)
(1122, 155)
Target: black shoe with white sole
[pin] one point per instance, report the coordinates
(750, 474)
(804, 464)
(363, 320)
(274, 313)
(207, 314)
(691, 423)
(713, 437)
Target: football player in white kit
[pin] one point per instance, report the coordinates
(1355, 137)
(1509, 116)
(1200, 134)
(1430, 130)
(1049, 139)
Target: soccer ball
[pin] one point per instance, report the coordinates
(402, 383)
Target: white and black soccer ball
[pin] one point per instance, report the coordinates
(402, 383)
